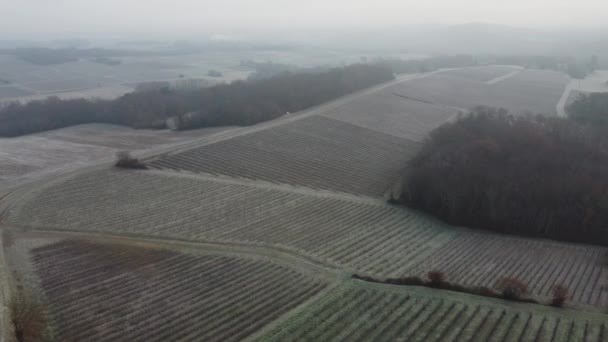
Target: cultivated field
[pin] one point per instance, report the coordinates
(479, 259)
(482, 73)
(315, 152)
(363, 236)
(393, 114)
(256, 232)
(109, 292)
(33, 156)
(356, 313)
(536, 91)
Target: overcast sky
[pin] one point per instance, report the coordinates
(80, 16)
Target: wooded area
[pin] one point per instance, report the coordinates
(535, 176)
(238, 103)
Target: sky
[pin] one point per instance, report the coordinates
(22, 17)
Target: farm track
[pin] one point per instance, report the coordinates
(356, 234)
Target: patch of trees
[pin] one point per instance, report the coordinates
(534, 176)
(590, 109)
(45, 56)
(238, 103)
(508, 288)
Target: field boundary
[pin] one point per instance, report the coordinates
(6, 330)
(262, 184)
(288, 257)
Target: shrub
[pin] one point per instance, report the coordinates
(125, 161)
(28, 316)
(512, 288)
(436, 279)
(560, 295)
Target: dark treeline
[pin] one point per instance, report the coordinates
(237, 103)
(590, 109)
(535, 176)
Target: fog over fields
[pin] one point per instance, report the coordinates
(345, 170)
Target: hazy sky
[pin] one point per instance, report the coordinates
(73, 16)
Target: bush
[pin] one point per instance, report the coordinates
(436, 279)
(560, 295)
(527, 175)
(28, 316)
(125, 161)
(512, 288)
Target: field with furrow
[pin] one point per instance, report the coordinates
(393, 114)
(113, 292)
(481, 73)
(535, 91)
(359, 235)
(356, 313)
(316, 152)
(354, 233)
(479, 259)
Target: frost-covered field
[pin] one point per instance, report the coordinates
(535, 91)
(356, 234)
(357, 313)
(308, 188)
(315, 152)
(33, 156)
(161, 294)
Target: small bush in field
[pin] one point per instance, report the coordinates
(512, 288)
(28, 317)
(436, 278)
(560, 295)
(125, 161)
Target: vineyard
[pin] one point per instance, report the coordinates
(112, 292)
(315, 152)
(535, 91)
(355, 313)
(481, 74)
(482, 259)
(37, 155)
(393, 114)
(358, 235)
(256, 233)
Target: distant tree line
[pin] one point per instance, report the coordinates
(590, 109)
(535, 176)
(237, 103)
